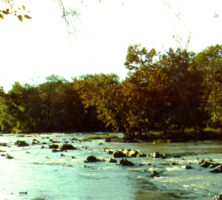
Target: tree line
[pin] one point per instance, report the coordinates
(169, 91)
(53, 106)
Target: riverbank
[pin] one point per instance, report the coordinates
(174, 136)
(153, 136)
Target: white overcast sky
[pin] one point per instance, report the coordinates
(34, 49)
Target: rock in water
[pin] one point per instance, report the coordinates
(112, 160)
(125, 162)
(187, 167)
(217, 169)
(21, 143)
(65, 147)
(53, 146)
(218, 197)
(157, 155)
(155, 174)
(8, 156)
(35, 141)
(91, 159)
(119, 154)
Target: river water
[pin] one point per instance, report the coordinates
(38, 173)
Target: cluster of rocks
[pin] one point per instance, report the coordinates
(64, 147)
(22, 143)
(218, 197)
(125, 153)
(123, 161)
(129, 153)
(217, 167)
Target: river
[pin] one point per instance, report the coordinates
(35, 172)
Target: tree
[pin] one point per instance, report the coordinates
(101, 92)
(210, 62)
(167, 88)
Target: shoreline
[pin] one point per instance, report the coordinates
(155, 138)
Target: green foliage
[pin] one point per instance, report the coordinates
(163, 91)
(50, 106)
(167, 93)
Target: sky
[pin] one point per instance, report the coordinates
(34, 49)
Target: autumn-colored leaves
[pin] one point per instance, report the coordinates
(19, 12)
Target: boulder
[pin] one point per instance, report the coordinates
(35, 141)
(53, 146)
(140, 154)
(119, 154)
(125, 153)
(67, 146)
(91, 159)
(112, 160)
(132, 153)
(156, 155)
(108, 140)
(44, 143)
(125, 162)
(205, 163)
(174, 163)
(209, 164)
(217, 169)
(187, 167)
(218, 197)
(21, 143)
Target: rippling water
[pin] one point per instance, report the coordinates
(37, 172)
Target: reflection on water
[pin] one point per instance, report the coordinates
(36, 172)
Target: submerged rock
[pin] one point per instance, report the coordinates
(218, 197)
(155, 174)
(54, 141)
(3, 144)
(125, 162)
(55, 150)
(21, 143)
(112, 160)
(187, 167)
(44, 143)
(38, 199)
(66, 146)
(23, 193)
(8, 156)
